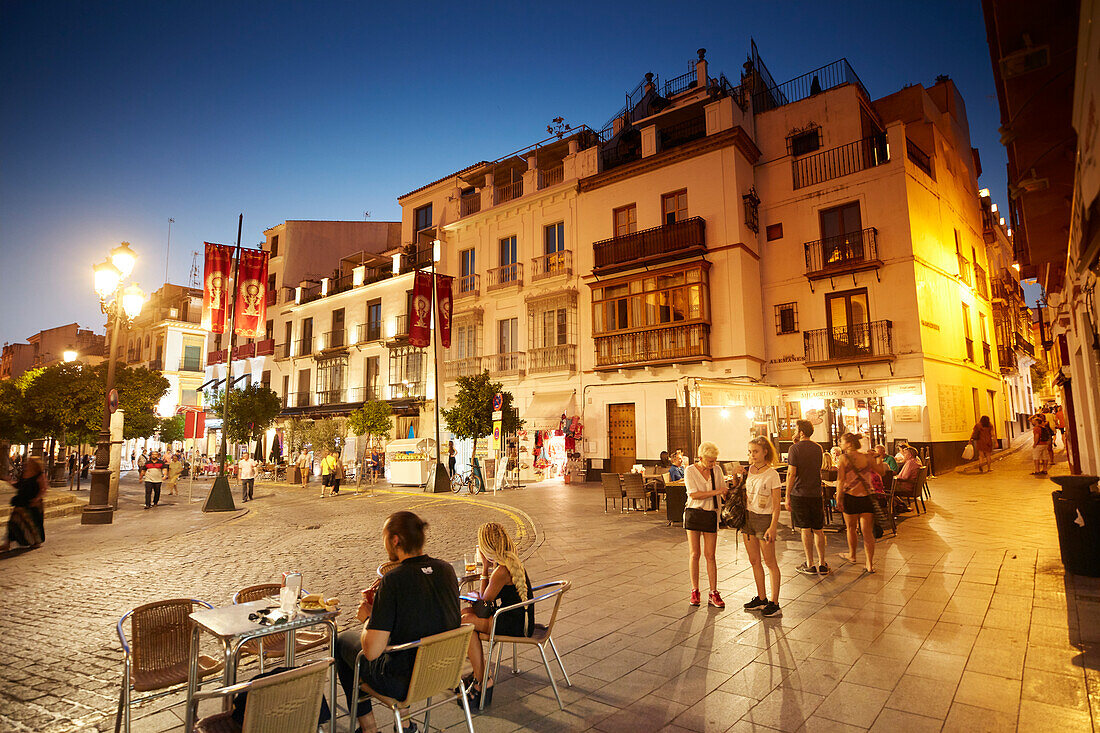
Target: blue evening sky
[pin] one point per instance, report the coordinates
(116, 116)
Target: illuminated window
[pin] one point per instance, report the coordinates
(674, 206)
(652, 300)
(625, 220)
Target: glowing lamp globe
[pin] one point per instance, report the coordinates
(133, 298)
(124, 258)
(107, 277)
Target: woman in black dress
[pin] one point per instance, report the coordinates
(26, 525)
(504, 582)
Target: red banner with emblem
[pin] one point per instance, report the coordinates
(443, 284)
(194, 425)
(251, 301)
(215, 286)
(420, 319)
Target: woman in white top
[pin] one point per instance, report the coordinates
(763, 491)
(705, 485)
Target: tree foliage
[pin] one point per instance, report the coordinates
(298, 434)
(13, 423)
(171, 429)
(252, 410)
(472, 415)
(373, 419)
(139, 391)
(329, 433)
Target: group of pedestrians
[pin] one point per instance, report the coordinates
(859, 475)
(1044, 423)
(155, 471)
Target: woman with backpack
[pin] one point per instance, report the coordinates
(854, 473)
(1041, 435)
(982, 438)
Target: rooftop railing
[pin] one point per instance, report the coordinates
(681, 83)
(814, 82)
(918, 156)
(469, 204)
(551, 176)
(683, 132)
(507, 191)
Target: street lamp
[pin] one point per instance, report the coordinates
(119, 304)
(69, 355)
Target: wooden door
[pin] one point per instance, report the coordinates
(621, 437)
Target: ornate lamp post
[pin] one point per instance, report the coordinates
(119, 304)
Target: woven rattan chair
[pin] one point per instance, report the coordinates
(612, 489)
(287, 702)
(541, 637)
(274, 646)
(912, 490)
(436, 674)
(158, 653)
(634, 490)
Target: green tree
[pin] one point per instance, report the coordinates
(373, 420)
(61, 402)
(171, 429)
(13, 420)
(252, 410)
(472, 415)
(329, 433)
(139, 392)
(298, 434)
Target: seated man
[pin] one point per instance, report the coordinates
(416, 599)
(676, 470)
(891, 463)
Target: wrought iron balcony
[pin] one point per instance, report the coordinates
(401, 327)
(332, 340)
(1024, 345)
(469, 204)
(986, 357)
(859, 343)
(969, 349)
(468, 367)
(508, 364)
(272, 297)
(190, 365)
(1006, 358)
(506, 276)
(406, 390)
(965, 274)
(282, 351)
(310, 293)
(667, 345)
(841, 254)
(840, 161)
(981, 285)
(557, 358)
(664, 243)
(551, 176)
(303, 347)
(467, 286)
(507, 191)
(918, 157)
(552, 265)
(367, 332)
(298, 399)
(813, 82)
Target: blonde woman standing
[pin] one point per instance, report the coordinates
(763, 492)
(853, 497)
(705, 486)
(504, 582)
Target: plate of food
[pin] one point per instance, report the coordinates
(315, 603)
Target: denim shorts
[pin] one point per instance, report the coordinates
(756, 524)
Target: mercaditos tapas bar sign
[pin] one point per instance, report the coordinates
(862, 390)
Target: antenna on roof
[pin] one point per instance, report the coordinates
(193, 281)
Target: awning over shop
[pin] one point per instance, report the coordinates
(546, 408)
(723, 393)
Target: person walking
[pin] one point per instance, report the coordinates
(452, 457)
(26, 523)
(72, 470)
(853, 498)
(1060, 424)
(247, 467)
(982, 438)
(303, 468)
(172, 477)
(763, 492)
(152, 473)
(1041, 435)
(701, 520)
(85, 464)
(330, 477)
(805, 500)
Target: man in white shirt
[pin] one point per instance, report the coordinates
(247, 468)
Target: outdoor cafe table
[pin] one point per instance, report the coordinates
(232, 627)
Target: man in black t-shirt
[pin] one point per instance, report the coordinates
(418, 598)
(804, 497)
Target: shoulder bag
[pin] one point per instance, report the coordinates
(733, 509)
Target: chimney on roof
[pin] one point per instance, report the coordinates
(701, 78)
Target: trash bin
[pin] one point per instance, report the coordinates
(1077, 516)
(675, 501)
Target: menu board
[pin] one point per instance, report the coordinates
(953, 409)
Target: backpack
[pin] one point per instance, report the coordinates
(1045, 434)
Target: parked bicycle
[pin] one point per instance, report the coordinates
(468, 480)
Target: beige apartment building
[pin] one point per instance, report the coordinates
(48, 347)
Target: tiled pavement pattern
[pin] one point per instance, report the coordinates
(969, 623)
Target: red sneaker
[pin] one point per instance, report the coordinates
(695, 598)
(715, 600)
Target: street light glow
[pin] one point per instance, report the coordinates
(69, 355)
(107, 277)
(123, 258)
(133, 298)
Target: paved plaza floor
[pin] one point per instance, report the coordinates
(970, 623)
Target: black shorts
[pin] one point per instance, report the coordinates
(807, 512)
(858, 504)
(700, 520)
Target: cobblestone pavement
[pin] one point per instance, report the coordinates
(970, 623)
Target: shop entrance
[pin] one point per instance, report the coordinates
(865, 417)
(621, 437)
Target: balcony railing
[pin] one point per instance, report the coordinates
(466, 286)
(1024, 345)
(282, 351)
(244, 351)
(507, 364)
(340, 284)
(551, 176)
(651, 246)
(469, 204)
(552, 265)
(265, 347)
(840, 161)
(468, 367)
(156, 365)
(854, 344)
(272, 297)
(964, 269)
(217, 357)
(303, 347)
(406, 390)
(401, 326)
(843, 253)
(981, 285)
(190, 365)
(662, 345)
(417, 258)
(918, 156)
(681, 83)
(1008, 288)
(677, 134)
(507, 191)
(1006, 358)
(557, 358)
(310, 293)
(811, 83)
(367, 332)
(298, 399)
(986, 360)
(332, 340)
(506, 276)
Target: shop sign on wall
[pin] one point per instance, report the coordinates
(907, 413)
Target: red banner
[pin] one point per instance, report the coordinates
(443, 285)
(194, 425)
(420, 320)
(251, 300)
(215, 284)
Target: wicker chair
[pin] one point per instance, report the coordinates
(634, 490)
(436, 675)
(274, 646)
(158, 653)
(287, 702)
(541, 637)
(612, 489)
(912, 490)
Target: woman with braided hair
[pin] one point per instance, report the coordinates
(504, 582)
